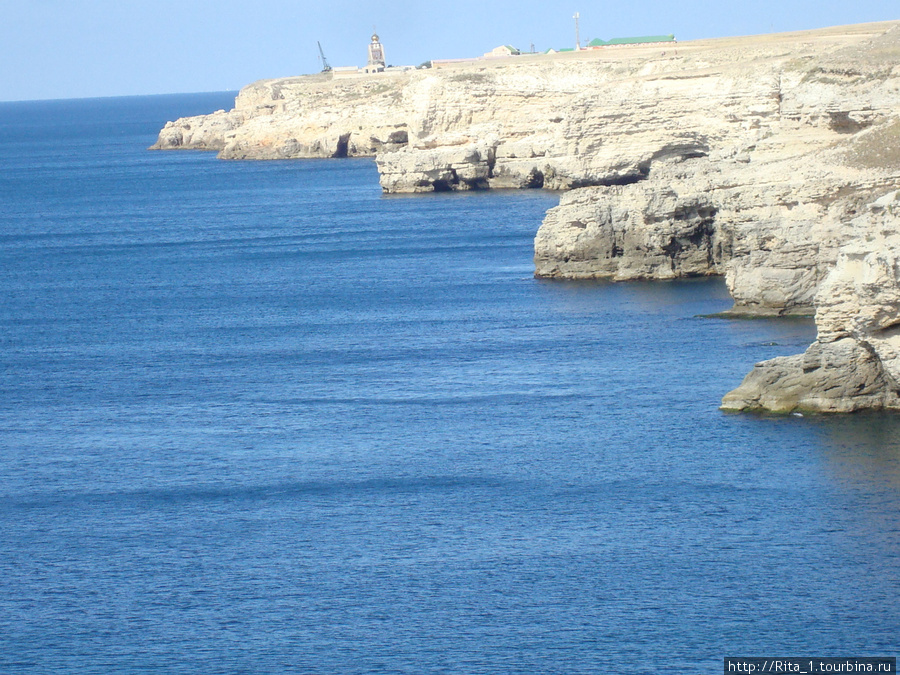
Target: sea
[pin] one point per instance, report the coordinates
(259, 417)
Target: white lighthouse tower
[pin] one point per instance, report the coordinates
(376, 56)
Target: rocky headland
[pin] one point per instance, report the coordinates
(772, 160)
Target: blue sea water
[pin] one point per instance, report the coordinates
(256, 417)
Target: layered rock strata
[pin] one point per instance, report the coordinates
(766, 200)
(300, 117)
(747, 157)
(774, 237)
(854, 363)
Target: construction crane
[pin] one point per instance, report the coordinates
(325, 67)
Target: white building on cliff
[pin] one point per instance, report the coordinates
(376, 62)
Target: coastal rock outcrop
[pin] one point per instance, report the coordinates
(841, 376)
(300, 117)
(202, 132)
(749, 154)
(854, 363)
(775, 237)
(773, 190)
(754, 158)
(637, 231)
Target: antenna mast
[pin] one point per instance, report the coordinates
(577, 37)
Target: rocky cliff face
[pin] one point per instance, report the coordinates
(647, 230)
(773, 229)
(300, 117)
(786, 151)
(855, 361)
(749, 157)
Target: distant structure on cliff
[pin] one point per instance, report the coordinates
(617, 42)
(326, 67)
(577, 36)
(376, 62)
(501, 52)
(644, 40)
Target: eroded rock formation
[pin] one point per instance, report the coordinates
(854, 363)
(752, 157)
(300, 117)
(639, 231)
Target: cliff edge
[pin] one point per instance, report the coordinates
(766, 159)
(854, 364)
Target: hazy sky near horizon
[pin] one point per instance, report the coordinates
(86, 48)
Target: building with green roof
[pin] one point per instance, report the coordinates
(647, 39)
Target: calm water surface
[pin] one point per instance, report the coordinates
(257, 417)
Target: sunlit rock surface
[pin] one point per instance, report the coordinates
(756, 158)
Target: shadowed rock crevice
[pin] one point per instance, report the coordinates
(399, 137)
(534, 180)
(342, 147)
(445, 185)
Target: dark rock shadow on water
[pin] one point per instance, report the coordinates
(863, 448)
(663, 297)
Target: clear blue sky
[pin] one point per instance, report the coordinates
(86, 48)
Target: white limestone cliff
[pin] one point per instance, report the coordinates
(745, 157)
(854, 363)
(299, 117)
